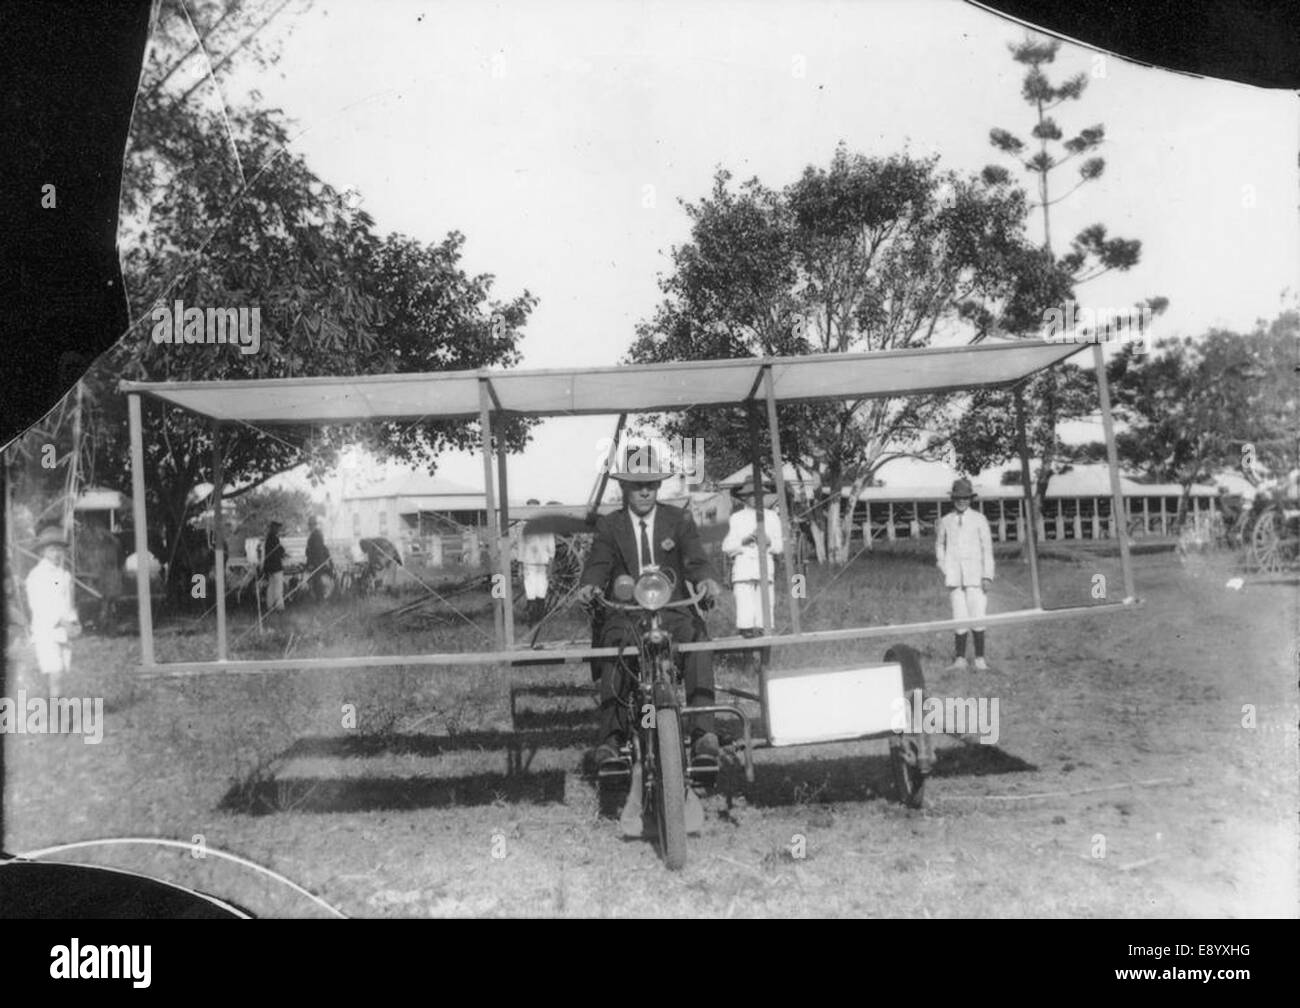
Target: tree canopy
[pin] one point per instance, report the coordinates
(218, 210)
(1195, 407)
(868, 253)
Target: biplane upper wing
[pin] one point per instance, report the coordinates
(645, 388)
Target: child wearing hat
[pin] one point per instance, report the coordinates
(54, 615)
(741, 544)
(964, 553)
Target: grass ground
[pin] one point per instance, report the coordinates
(1124, 782)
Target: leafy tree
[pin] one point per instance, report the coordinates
(255, 510)
(985, 434)
(1193, 405)
(219, 211)
(870, 253)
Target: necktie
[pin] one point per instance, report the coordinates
(646, 557)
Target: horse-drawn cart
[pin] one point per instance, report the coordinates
(1273, 539)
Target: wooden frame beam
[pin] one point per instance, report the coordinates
(1031, 522)
(778, 475)
(219, 541)
(144, 601)
(490, 503)
(766, 598)
(503, 533)
(1112, 462)
(602, 481)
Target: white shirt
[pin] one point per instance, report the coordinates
(49, 595)
(642, 561)
(742, 523)
(536, 549)
(155, 566)
(964, 548)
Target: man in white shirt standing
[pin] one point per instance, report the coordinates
(54, 615)
(741, 544)
(964, 552)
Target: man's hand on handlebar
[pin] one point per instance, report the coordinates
(588, 594)
(711, 590)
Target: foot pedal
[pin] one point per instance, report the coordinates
(614, 770)
(631, 822)
(694, 813)
(704, 771)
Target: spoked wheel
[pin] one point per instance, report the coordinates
(670, 788)
(910, 758)
(904, 765)
(566, 568)
(1266, 540)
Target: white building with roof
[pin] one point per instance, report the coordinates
(407, 506)
(1078, 503)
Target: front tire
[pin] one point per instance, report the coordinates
(670, 788)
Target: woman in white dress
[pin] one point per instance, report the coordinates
(742, 545)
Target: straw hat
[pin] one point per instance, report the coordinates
(640, 465)
(51, 535)
(747, 489)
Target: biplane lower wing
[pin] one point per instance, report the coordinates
(571, 655)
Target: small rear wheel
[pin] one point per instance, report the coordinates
(904, 764)
(670, 788)
(909, 753)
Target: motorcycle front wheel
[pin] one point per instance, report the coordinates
(670, 788)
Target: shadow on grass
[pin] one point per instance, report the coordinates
(371, 794)
(858, 778)
(791, 779)
(265, 792)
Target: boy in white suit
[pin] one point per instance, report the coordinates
(964, 552)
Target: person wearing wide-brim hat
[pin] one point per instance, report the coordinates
(54, 613)
(964, 553)
(647, 534)
(743, 543)
(640, 464)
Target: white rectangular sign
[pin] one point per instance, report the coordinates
(820, 705)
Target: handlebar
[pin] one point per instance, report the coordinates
(696, 600)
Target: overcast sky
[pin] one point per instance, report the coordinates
(559, 136)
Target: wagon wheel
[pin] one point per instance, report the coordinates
(566, 568)
(911, 756)
(1266, 540)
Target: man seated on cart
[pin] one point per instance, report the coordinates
(645, 533)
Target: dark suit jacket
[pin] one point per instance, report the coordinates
(674, 539)
(272, 555)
